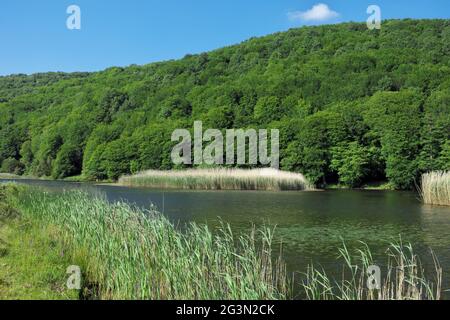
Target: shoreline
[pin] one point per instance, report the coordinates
(76, 228)
(371, 186)
(73, 229)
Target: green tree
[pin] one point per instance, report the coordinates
(351, 162)
(117, 157)
(444, 158)
(26, 154)
(435, 131)
(396, 119)
(268, 109)
(68, 162)
(12, 165)
(323, 87)
(310, 153)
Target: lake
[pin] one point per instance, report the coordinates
(309, 225)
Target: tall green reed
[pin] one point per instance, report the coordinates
(136, 254)
(403, 277)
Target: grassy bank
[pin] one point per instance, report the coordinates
(33, 261)
(375, 185)
(435, 188)
(126, 253)
(131, 254)
(15, 176)
(219, 179)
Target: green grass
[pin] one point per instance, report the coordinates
(10, 176)
(32, 261)
(131, 254)
(127, 253)
(219, 179)
(374, 185)
(435, 188)
(79, 178)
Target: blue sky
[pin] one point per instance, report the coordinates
(34, 36)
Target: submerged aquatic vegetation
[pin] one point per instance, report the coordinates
(219, 179)
(435, 188)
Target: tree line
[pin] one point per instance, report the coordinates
(352, 106)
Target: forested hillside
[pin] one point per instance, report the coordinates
(352, 106)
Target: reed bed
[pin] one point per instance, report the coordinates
(219, 179)
(403, 278)
(435, 188)
(128, 253)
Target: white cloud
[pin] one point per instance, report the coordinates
(319, 12)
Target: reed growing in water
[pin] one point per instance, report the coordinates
(219, 179)
(133, 254)
(404, 278)
(435, 188)
(128, 253)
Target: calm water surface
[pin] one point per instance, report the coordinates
(310, 225)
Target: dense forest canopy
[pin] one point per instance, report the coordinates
(352, 105)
